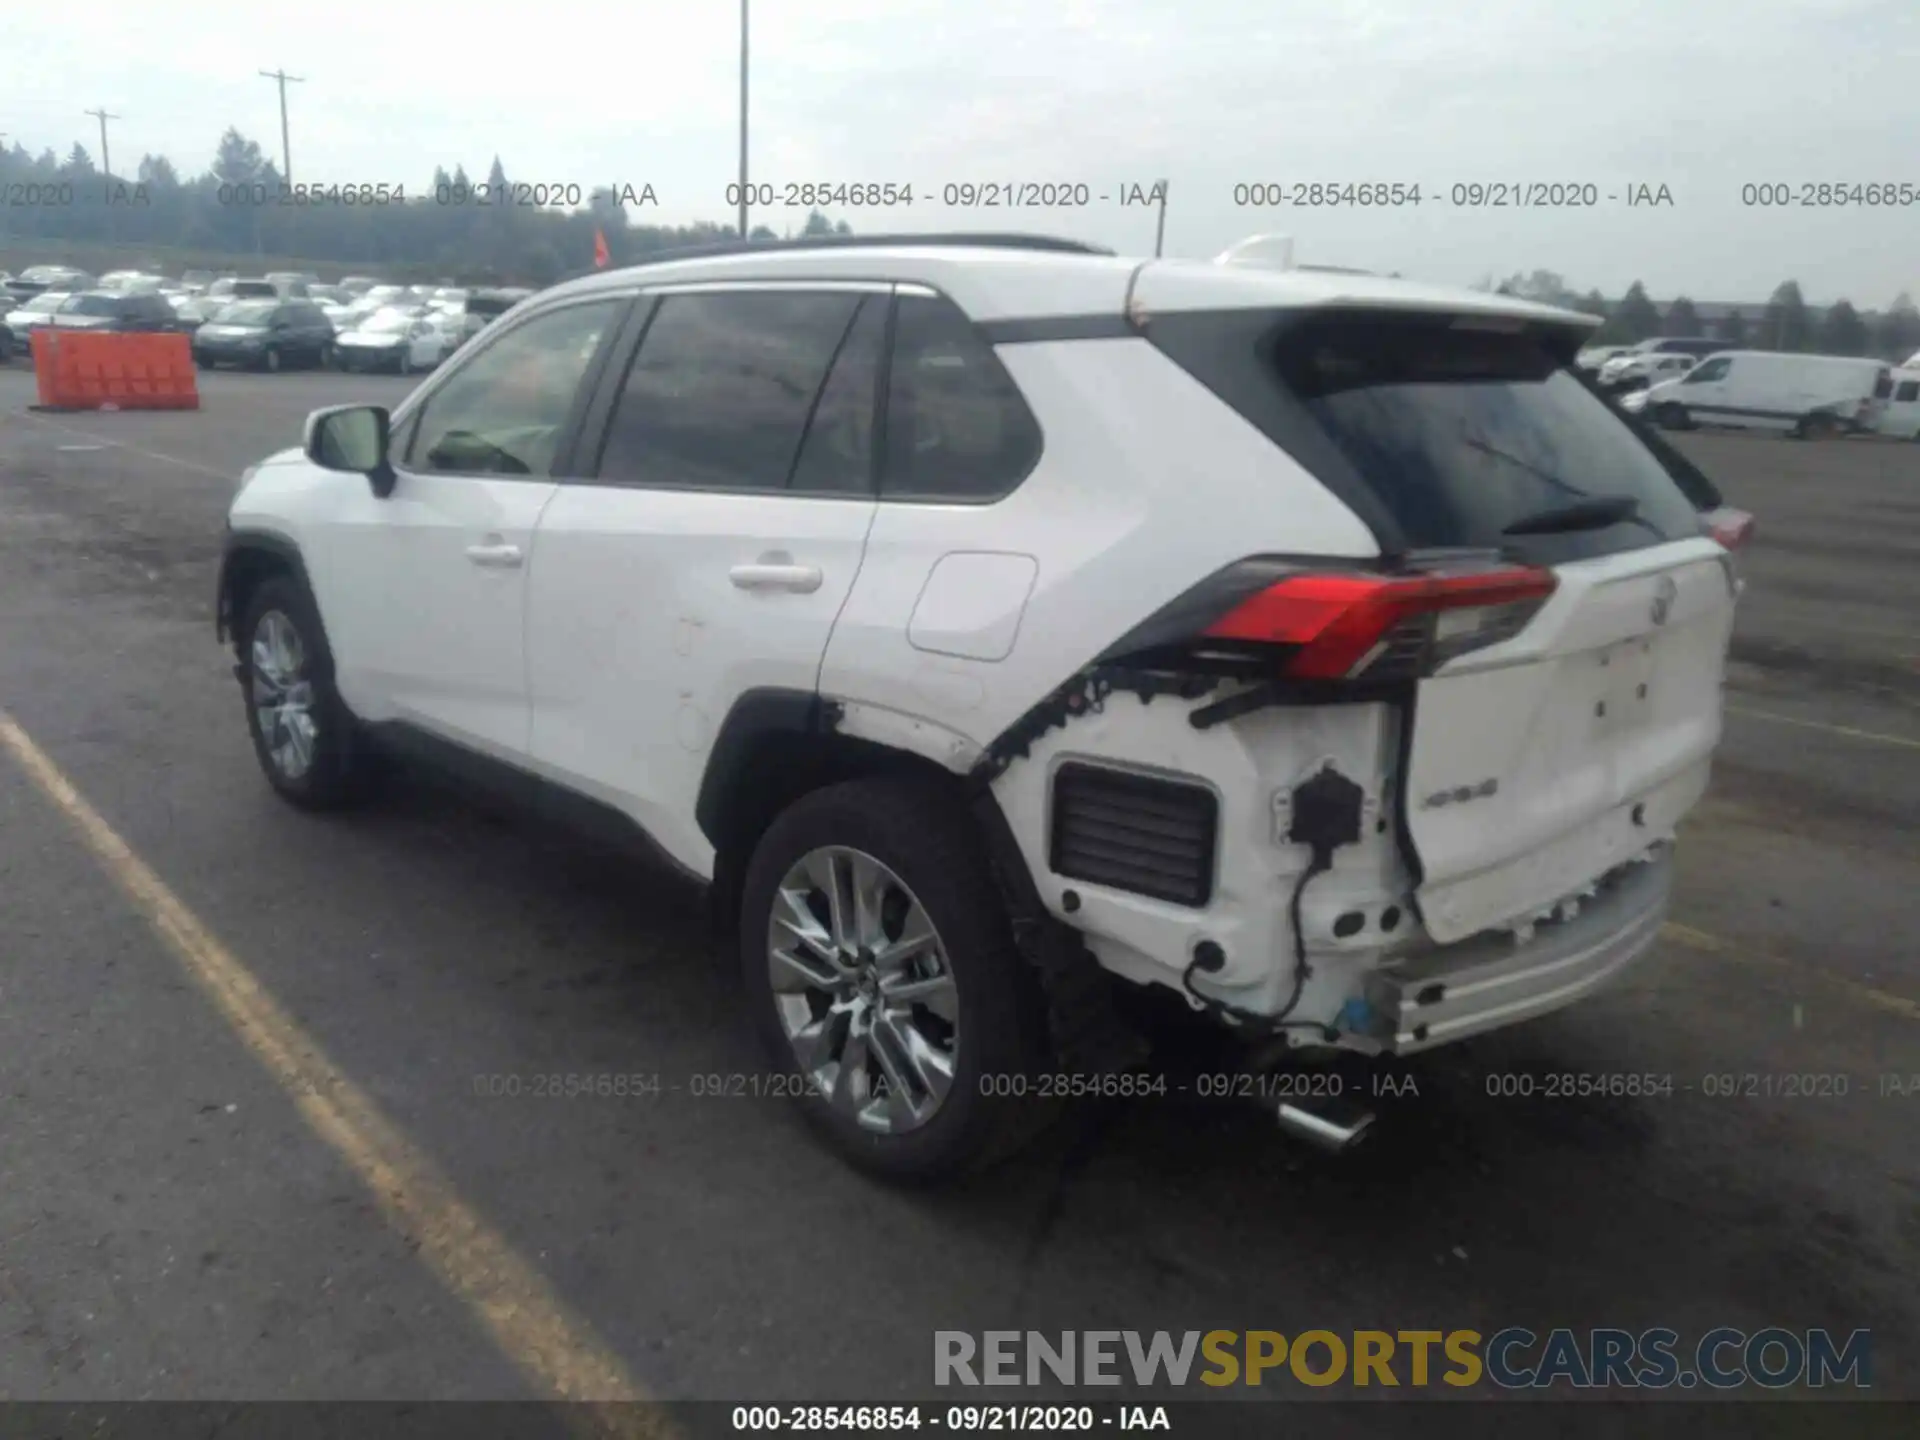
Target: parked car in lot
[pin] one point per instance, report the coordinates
(231, 287)
(1594, 356)
(1801, 395)
(265, 335)
(483, 307)
(195, 282)
(1640, 371)
(1315, 652)
(292, 283)
(115, 310)
(21, 319)
(1900, 416)
(403, 341)
(1634, 368)
(39, 279)
(130, 282)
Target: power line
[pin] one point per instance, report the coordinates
(286, 147)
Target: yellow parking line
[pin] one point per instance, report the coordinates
(1875, 736)
(1719, 945)
(556, 1349)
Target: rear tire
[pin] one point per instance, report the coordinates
(1817, 427)
(972, 1015)
(304, 737)
(271, 361)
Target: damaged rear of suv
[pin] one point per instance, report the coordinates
(1421, 666)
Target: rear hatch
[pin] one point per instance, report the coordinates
(1548, 599)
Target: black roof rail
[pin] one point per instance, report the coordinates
(978, 240)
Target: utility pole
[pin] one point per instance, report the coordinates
(743, 120)
(106, 164)
(286, 148)
(1160, 230)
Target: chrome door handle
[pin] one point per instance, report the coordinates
(496, 557)
(800, 579)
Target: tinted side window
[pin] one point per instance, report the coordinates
(957, 427)
(719, 395)
(1711, 370)
(1909, 390)
(503, 411)
(836, 457)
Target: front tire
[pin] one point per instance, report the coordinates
(881, 971)
(303, 734)
(271, 361)
(1674, 417)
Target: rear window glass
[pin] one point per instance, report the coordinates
(1460, 434)
(1883, 387)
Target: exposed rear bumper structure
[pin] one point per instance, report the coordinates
(1493, 980)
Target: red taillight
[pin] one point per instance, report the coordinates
(1339, 625)
(1732, 528)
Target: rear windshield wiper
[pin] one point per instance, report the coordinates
(1594, 514)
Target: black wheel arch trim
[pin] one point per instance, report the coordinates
(244, 540)
(755, 715)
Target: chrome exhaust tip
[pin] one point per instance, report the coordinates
(1324, 1128)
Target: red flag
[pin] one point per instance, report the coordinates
(600, 255)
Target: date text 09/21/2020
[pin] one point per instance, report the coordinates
(520, 194)
(1274, 1086)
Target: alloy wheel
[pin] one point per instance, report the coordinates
(864, 990)
(282, 696)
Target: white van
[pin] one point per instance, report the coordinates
(1763, 390)
(1901, 414)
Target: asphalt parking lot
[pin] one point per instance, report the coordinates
(183, 1215)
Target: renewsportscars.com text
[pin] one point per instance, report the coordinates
(1514, 1358)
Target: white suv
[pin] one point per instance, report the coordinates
(999, 627)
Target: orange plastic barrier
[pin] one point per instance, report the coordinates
(104, 370)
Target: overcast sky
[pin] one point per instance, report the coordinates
(1701, 96)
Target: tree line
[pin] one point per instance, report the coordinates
(1788, 323)
(486, 233)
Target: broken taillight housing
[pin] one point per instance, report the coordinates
(1319, 625)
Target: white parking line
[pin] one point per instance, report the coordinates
(100, 440)
(1711, 944)
(1874, 736)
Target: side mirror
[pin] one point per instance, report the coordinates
(353, 439)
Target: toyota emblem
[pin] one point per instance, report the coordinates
(1663, 598)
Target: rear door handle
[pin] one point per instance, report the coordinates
(765, 575)
(496, 557)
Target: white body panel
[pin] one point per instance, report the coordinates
(652, 611)
(1610, 694)
(424, 595)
